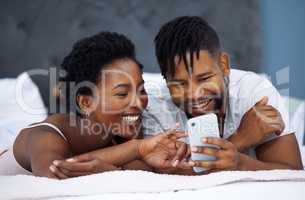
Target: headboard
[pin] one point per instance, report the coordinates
(37, 34)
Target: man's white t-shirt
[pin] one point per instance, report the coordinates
(245, 89)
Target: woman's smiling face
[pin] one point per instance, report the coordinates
(120, 99)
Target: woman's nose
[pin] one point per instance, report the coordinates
(137, 102)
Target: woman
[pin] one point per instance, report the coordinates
(105, 86)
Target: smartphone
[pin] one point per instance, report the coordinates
(199, 128)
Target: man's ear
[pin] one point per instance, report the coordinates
(85, 102)
(224, 63)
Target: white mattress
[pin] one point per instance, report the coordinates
(279, 184)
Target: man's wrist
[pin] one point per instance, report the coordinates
(241, 162)
(238, 140)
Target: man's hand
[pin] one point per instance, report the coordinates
(79, 166)
(227, 156)
(164, 152)
(257, 124)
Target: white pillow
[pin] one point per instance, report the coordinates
(21, 104)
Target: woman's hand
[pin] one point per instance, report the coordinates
(164, 151)
(82, 165)
(227, 156)
(137, 165)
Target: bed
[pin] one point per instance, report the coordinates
(142, 185)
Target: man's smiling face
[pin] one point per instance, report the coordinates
(201, 89)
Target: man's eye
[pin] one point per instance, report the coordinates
(122, 94)
(179, 83)
(204, 78)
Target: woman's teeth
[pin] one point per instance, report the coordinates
(130, 119)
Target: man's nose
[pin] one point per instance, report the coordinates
(193, 91)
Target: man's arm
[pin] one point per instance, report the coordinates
(259, 123)
(280, 153)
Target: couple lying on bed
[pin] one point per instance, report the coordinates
(118, 126)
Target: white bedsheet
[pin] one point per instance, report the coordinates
(279, 190)
(145, 185)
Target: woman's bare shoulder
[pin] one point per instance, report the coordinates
(38, 138)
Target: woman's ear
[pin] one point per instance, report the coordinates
(85, 103)
(224, 63)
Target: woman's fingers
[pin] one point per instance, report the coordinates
(170, 140)
(173, 134)
(188, 151)
(184, 164)
(57, 172)
(174, 147)
(73, 166)
(76, 163)
(167, 143)
(178, 135)
(71, 174)
(81, 158)
(180, 154)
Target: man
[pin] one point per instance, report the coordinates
(254, 125)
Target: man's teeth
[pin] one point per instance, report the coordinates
(201, 103)
(131, 119)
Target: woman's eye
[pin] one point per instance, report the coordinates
(143, 92)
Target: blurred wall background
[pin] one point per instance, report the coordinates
(41, 32)
(283, 30)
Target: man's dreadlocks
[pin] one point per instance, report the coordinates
(187, 34)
